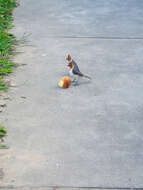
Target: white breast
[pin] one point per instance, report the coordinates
(70, 72)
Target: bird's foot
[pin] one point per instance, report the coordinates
(75, 83)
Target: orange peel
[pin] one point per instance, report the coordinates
(64, 82)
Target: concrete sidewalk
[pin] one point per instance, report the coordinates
(52, 188)
(88, 135)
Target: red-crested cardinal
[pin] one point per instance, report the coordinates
(74, 69)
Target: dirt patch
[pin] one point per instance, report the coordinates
(1, 174)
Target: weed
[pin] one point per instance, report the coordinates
(7, 44)
(7, 40)
(3, 133)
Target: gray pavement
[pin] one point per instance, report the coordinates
(88, 135)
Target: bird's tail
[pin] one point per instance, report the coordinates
(87, 77)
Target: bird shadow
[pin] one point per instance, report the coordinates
(80, 83)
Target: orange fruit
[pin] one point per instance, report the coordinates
(64, 82)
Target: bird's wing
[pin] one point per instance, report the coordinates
(76, 70)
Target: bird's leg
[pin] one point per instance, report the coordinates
(75, 80)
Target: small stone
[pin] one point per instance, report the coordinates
(1, 109)
(7, 81)
(2, 103)
(12, 84)
(24, 97)
(7, 98)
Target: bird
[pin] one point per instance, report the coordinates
(74, 71)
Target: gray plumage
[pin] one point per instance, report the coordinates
(76, 71)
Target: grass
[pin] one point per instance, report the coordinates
(7, 44)
(3, 133)
(7, 40)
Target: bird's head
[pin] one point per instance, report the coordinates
(69, 61)
(68, 58)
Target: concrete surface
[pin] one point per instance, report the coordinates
(89, 135)
(53, 188)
